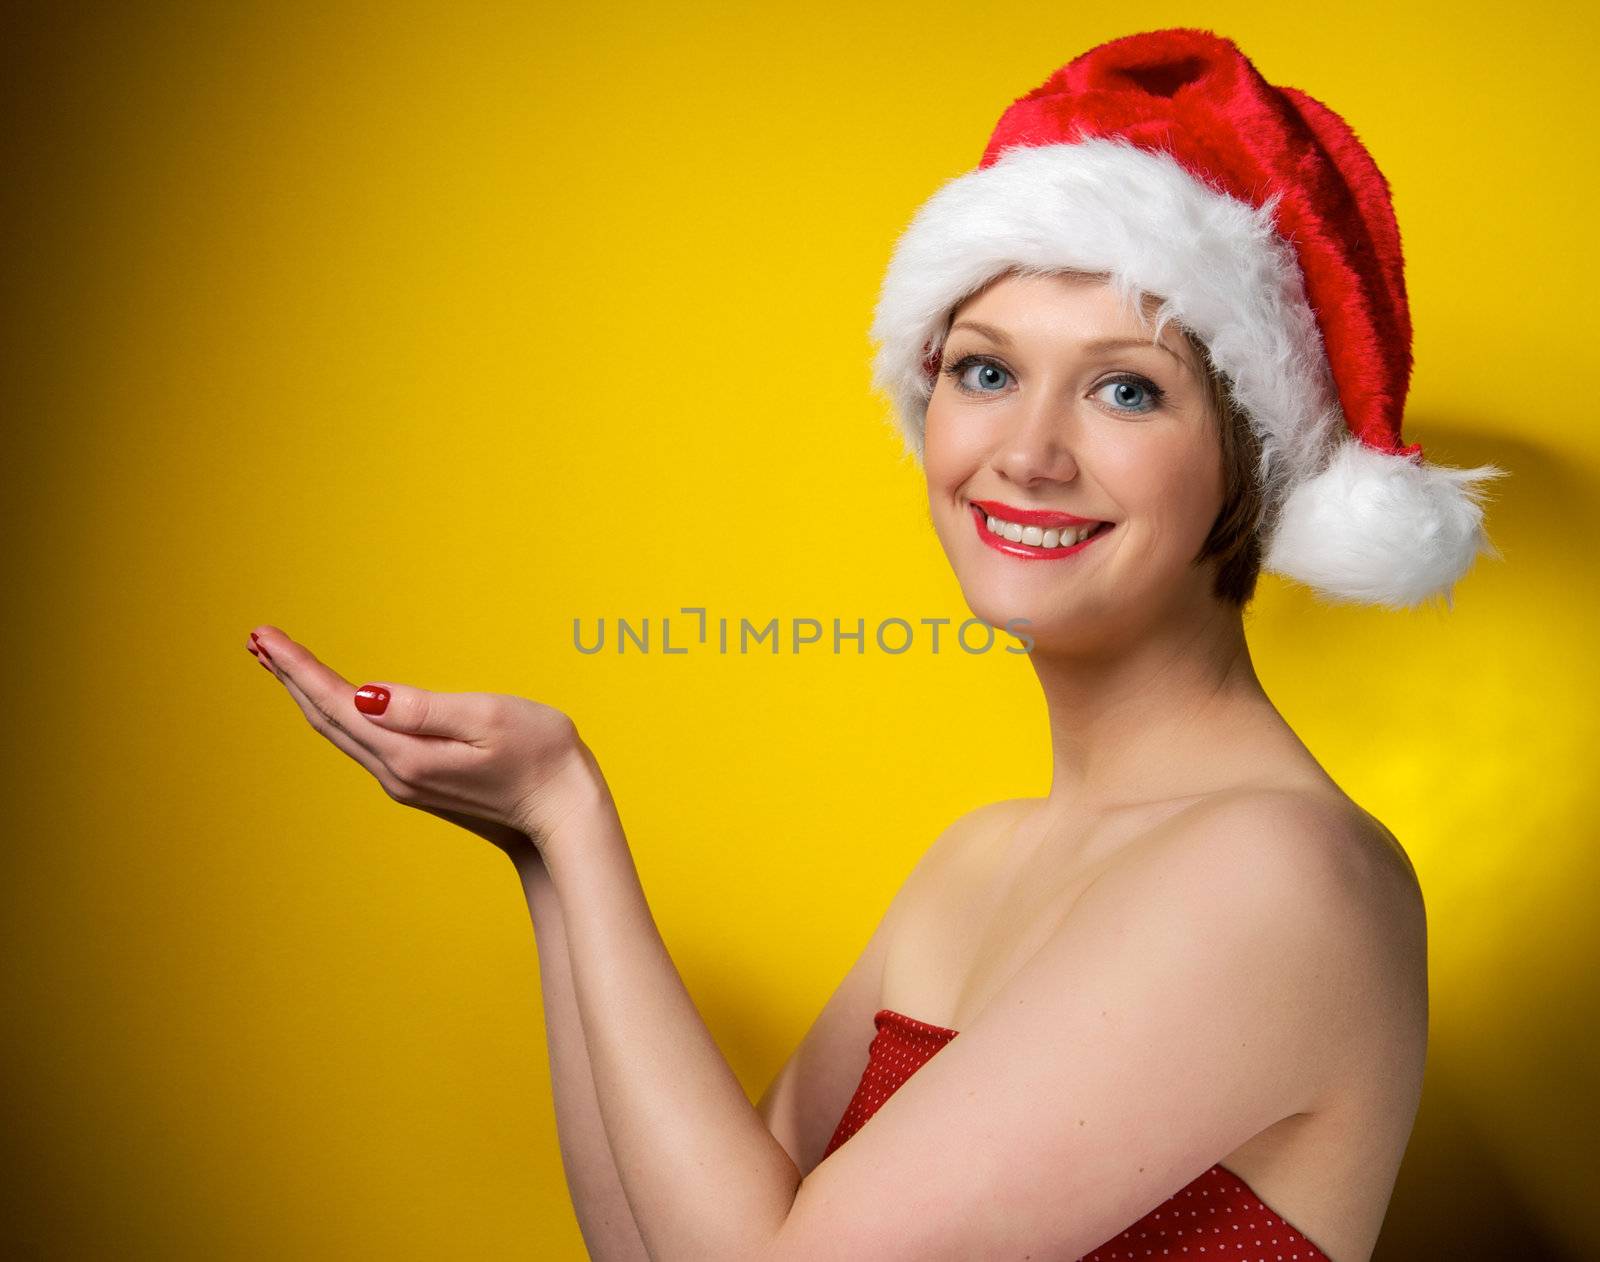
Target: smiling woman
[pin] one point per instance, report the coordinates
(1234, 543)
(1156, 344)
(1191, 982)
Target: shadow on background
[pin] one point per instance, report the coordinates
(1454, 1197)
(1500, 821)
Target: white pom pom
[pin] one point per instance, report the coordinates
(1382, 529)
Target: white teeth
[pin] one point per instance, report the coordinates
(1066, 537)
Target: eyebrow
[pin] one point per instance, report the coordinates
(1002, 338)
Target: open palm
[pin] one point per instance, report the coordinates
(488, 763)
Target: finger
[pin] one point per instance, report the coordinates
(400, 782)
(460, 716)
(401, 708)
(323, 689)
(332, 726)
(325, 696)
(328, 700)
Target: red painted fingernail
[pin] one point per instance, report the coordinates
(371, 699)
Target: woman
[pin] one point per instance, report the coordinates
(1156, 342)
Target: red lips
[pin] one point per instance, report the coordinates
(1044, 517)
(1028, 551)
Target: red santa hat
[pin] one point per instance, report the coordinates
(1167, 162)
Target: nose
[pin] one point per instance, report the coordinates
(1038, 444)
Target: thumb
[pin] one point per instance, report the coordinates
(402, 708)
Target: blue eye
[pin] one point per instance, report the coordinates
(958, 372)
(1128, 391)
(1132, 394)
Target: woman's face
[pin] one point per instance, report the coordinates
(1062, 403)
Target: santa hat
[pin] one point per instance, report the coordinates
(1166, 161)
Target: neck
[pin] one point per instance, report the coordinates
(1142, 723)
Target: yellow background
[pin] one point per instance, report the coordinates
(420, 331)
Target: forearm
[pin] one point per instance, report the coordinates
(604, 1218)
(704, 1175)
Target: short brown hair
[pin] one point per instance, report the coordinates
(1235, 538)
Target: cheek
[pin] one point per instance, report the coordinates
(1169, 482)
(948, 455)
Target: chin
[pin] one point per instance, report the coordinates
(1067, 615)
(1048, 618)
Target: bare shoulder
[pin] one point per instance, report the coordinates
(1300, 890)
(981, 821)
(1308, 849)
(1315, 856)
(964, 843)
(1212, 981)
(1316, 849)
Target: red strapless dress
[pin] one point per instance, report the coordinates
(1217, 1213)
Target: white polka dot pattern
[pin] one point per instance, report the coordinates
(1217, 1215)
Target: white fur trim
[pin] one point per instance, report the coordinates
(1383, 529)
(1105, 205)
